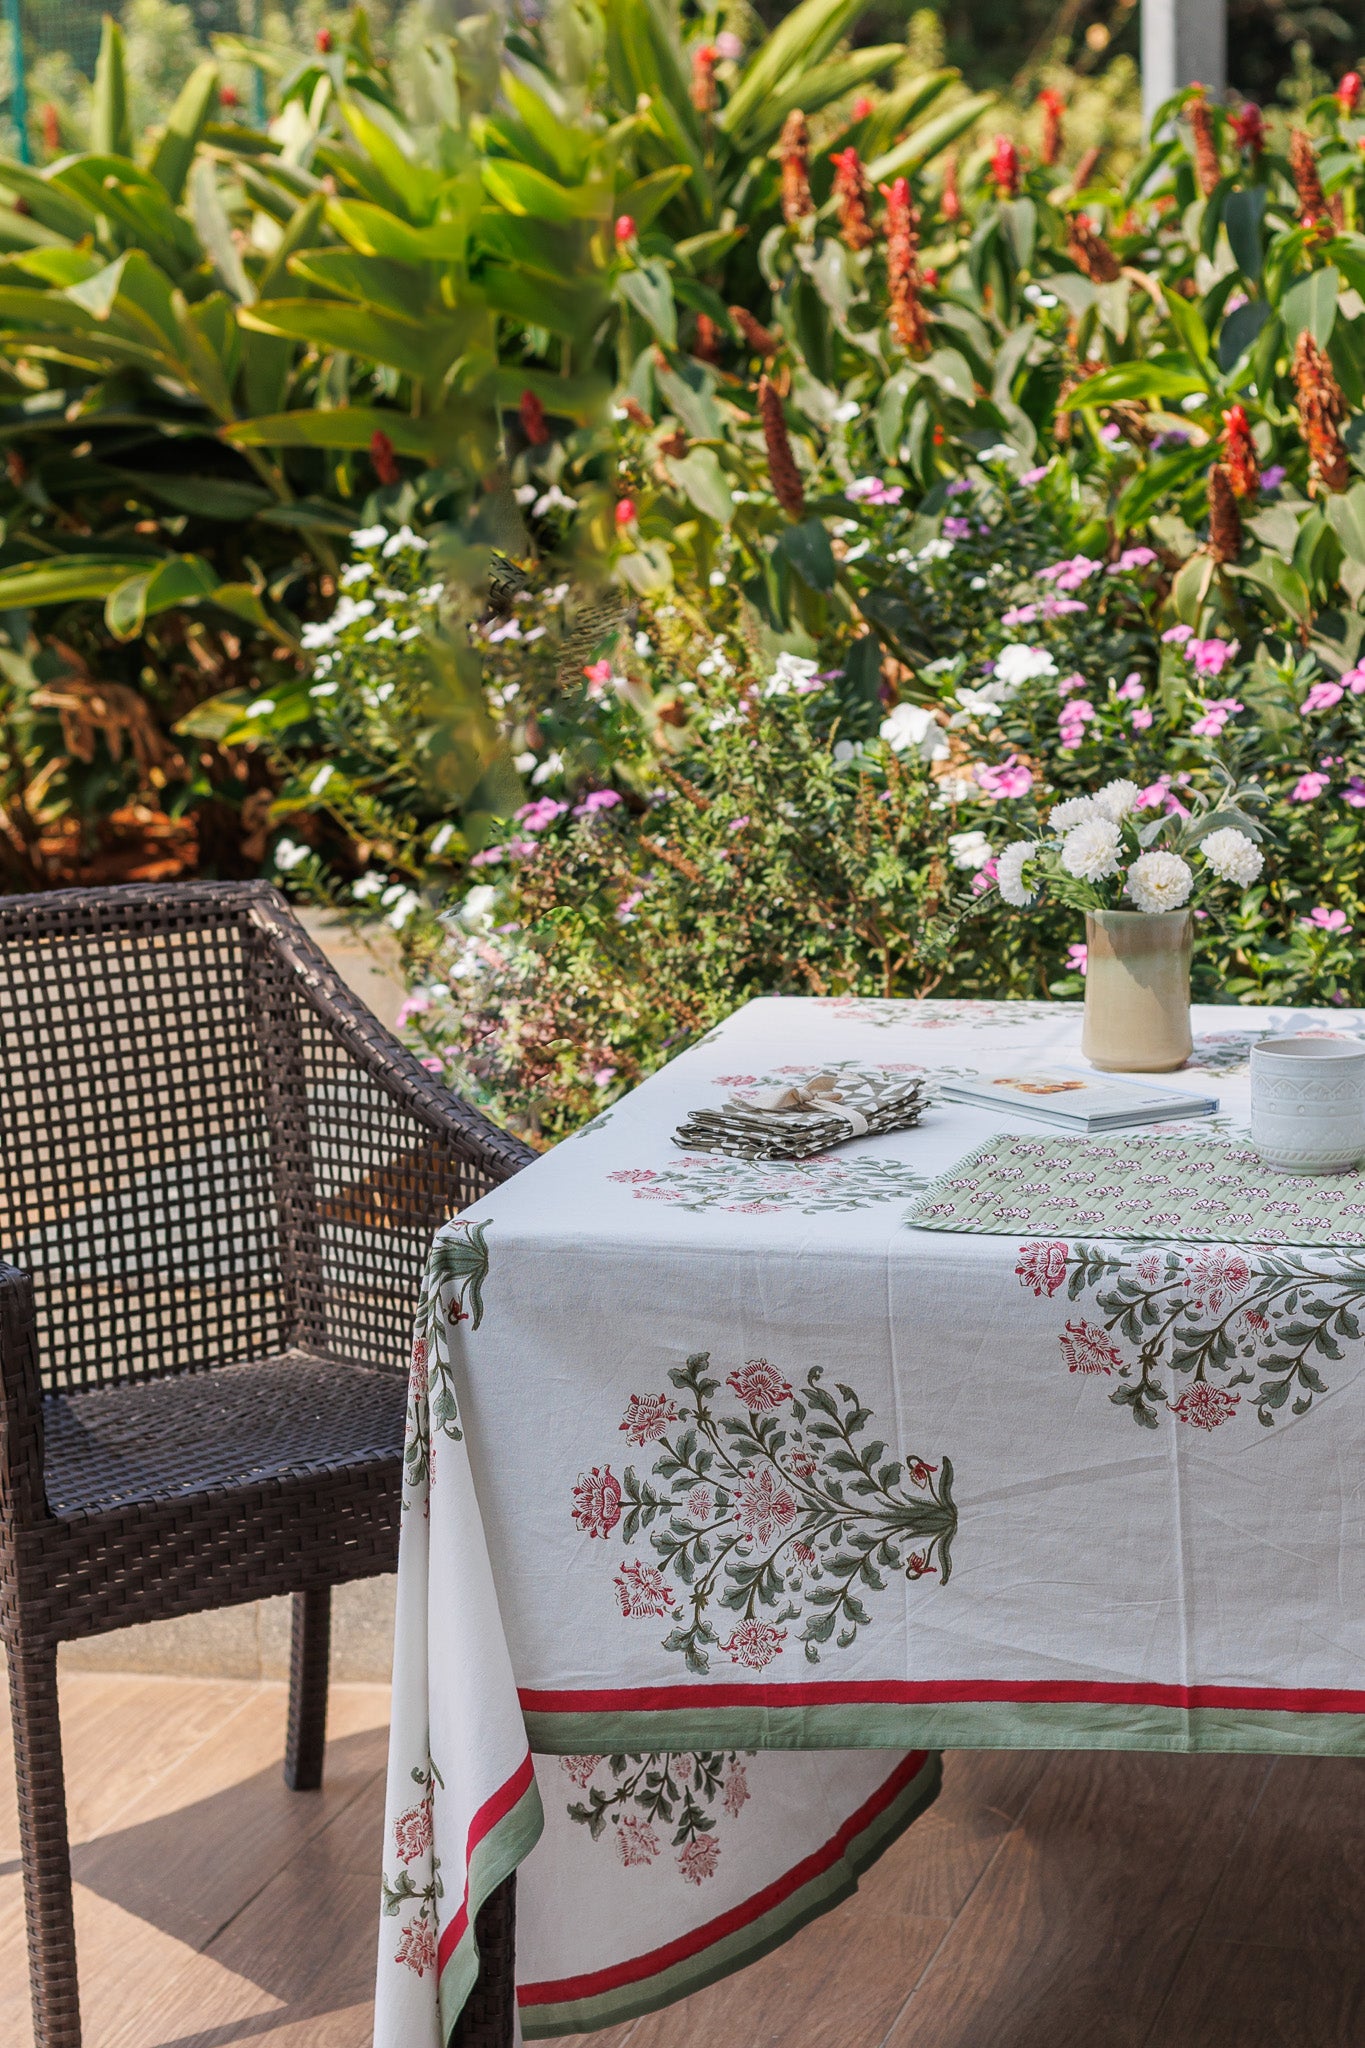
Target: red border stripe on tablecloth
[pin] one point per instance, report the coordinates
(485, 1820)
(950, 1692)
(592, 1983)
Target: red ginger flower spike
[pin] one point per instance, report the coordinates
(786, 477)
(850, 191)
(1090, 253)
(1225, 524)
(1248, 128)
(1239, 451)
(756, 335)
(532, 415)
(1085, 168)
(706, 340)
(1349, 92)
(794, 153)
(1207, 168)
(1322, 408)
(383, 460)
(1314, 211)
(862, 107)
(704, 59)
(229, 97)
(950, 199)
(624, 229)
(52, 130)
(323, 41)
(1053, 106)
(906, 312)
(1005, 168)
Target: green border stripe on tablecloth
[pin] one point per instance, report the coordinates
(493, 1856)
(750, 1930)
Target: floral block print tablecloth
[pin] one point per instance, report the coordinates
(732, 1499)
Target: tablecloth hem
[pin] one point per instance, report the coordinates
(508, 1842)
(749, 1930)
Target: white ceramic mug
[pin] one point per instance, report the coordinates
(1308, 1103)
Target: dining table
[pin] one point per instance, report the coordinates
(738, 1490)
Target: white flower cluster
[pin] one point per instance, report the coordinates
(1160, 881)
(1232, 856)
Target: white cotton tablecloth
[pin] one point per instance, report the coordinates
(735, 1499)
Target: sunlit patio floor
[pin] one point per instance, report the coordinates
(1045, 1902)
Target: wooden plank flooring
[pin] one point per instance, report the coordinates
(1064, 1901)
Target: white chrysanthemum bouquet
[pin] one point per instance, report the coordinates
(1126, 848)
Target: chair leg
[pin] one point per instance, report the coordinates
(45, 1846)
(310, 1648)
(489, 2016)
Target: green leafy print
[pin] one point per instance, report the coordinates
(786, 1512)
(452, 1293)
(747, 1187)
(1203, 1323)
(416, 1876)
(640, 1803)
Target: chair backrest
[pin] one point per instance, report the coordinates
(193, 1167)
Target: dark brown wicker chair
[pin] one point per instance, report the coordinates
(219, 1176)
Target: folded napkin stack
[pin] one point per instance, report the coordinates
(806, 1117)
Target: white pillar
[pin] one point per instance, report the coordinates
(1182, 40)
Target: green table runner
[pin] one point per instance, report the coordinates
(1140, 1185)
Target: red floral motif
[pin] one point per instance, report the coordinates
(760, 1386)
(597, 1502)
(641, 1591)
(1088, 1350)
(1149, 1268)
(1219, 1275)
(736, 1792)
(647, 1417)
(1254, 1320)
(698, 1860)
(417, 1947)
(918, 1473)
(1205, 1406)
(633, 1174)
(412, 1832)
(734, 1080)
(764, 1506)
(917, 1566)
(755, 1644)
(1042, 1266)
(417, 1377)
(804, 1464)
(636, 1840)
(579, 1768)
(699, 1503)
(803, 1555)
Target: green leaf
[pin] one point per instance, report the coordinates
(927, 141)
(700, 476)
(1132, 380)
(523, 190)
(215, 230)
(66, 579)
(1346, 510)
(1311, 306)
(110, 129)
(1240, 330)
(184, 128)
(649, 289)
(798, 42)
(344, 426)
(1243, 213)
(807, 549)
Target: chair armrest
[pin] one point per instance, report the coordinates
(494, 1154)
(22, 1498)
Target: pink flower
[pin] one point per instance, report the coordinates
(1308, 788)
(1131, 688)
(1210, 725)
(1322, 697)
(579, 1768)
(870, 490)
(1042, 1266)
(1328, 920)
(698, 1860)
(597, 1502)
(1019, 615)
(1210, 657)
(736, 1792)
(1011, 779)
(1133, 558)
(596, 800)
(1070, 684)
(633, 1174)
(755, 1643)
(1141, 719)
(1062, 607)
(417, 1947)
(1176, 636)
(1219, 1275)
(1088, 1350)
(641, 1591)
(984, 878)
(1078, 958)
(636, 1840)
(956, 529)
(760, 1386)
(1034, 476)
(1205, 1406)
(536, 816)
(1354, 793)
(647, 1417)
(1354, 679)
(764, 1507)
(412, 1832)
(1070, 575)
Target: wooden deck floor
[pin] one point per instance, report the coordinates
(1046, 1902)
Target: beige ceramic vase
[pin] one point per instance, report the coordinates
(1137, 990)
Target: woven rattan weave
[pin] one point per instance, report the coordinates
(218, 1178)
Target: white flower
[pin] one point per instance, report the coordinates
(1232, 856)
(968, 849)
(354, 572)
(403, 907)
(980, 703)
(554, 500)
(1160, 881)
(442, 838)
(1090, 851)
(288, 854)
(844, 750)
(524, 763)
(549, 767)
(321, 779)
(1009, 872)
(1019, 663)
(476, 910)
(261, 708)
(404, 538)
(849, 410)
(913, 725)
(526, 494)
(1075, 811)
(1117, 799)
(385, 630)
(368, 885)
(935, 550)
(368, 536)
(790, 672)
(999, 452)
